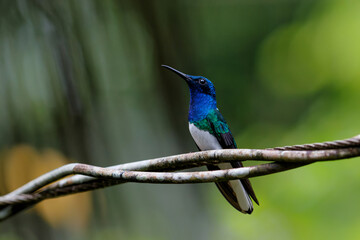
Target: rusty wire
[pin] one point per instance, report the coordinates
(22, 201)
(346, 143)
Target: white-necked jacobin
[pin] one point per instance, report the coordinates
(210, 131)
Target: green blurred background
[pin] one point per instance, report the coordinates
(81, 82)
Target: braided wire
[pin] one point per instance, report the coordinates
(346, 143)
(57, 192)
(32, 198)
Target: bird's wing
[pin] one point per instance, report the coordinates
(223, 135)
(221, 130)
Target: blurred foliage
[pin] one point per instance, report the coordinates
(84, 78)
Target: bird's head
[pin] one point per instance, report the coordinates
(198, 85)
(202, 95)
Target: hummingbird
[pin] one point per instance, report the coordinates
(210, 131)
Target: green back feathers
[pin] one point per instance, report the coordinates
(213, 123)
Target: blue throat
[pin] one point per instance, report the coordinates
(200, 105)
(202, 95)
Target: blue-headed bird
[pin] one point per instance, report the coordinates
(210, 131)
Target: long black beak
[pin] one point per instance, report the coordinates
(182, 75)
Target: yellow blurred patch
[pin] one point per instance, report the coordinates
(19, 162)
(2, 172)
(70, 211)
(23, 164)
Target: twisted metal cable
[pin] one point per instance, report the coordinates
(101, 183)
(22, 198)
(346, 143)
(22, 201)
(58, 192)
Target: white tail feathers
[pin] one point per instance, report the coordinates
(243, 199)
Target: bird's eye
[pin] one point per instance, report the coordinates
(202, 81)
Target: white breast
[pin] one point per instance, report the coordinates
(206, 141)
(203, 139)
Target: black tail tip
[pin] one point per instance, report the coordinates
(249, 211)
